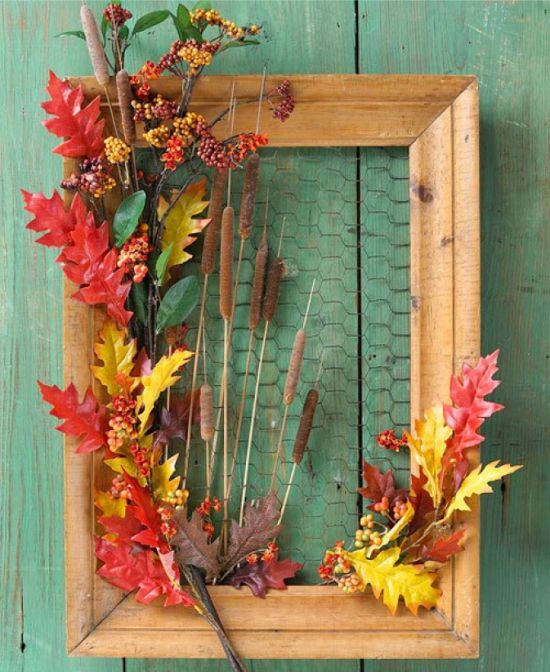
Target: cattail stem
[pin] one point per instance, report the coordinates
(225, 431)
(280, 449)
(194, 381)
(287, 492)
(252, 422)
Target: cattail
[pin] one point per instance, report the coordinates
(215, 208)
(294, 367)
(258, 284)
(207, 413)
(304, 429)
(273, 288)
(226, 263)
(248, 199)
(95, 48)
(124, 92)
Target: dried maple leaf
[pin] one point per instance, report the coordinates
(393, 581)
(258, 529)
(442, 549)
(81, 126)
(193, 547)
(87, 247)
(50, 216)
(107, 287)
(174, 421)
(265, 574)
(130, 567)
(379, 485)
(86, 420)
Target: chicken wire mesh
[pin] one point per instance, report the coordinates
(346, 227)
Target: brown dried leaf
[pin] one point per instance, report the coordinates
(192, 544)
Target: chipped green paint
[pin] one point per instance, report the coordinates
(507, 44)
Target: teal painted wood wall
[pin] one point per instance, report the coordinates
(507, 44)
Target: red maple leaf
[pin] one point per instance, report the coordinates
(265, 574)
(106, 287)
(146, 512)
(123, 528)
(82, 126)
(88, 246)
(442, 549)
(87, 419)
(131, 567)
(50, 216)
(468, 412)
(379, 485)
(421, 501)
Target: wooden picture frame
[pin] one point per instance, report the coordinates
(437, 119)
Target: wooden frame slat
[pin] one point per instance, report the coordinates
(437, 117)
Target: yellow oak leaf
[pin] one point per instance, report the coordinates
(161, 377)
(477, 483)
(393, 581)
(428, 448)
(179, 225)
(116, 356)
(161, 474)
(109, 506)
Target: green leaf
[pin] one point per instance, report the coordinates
(202, 4)
(123, 33)
(138, 298)
(178, 302)
(183, 16)
(162, 262)
(73, 33)
(149, 20)
(104, 25)
(127, 217)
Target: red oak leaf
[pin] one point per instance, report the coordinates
(82, 126)
(130, 567)
(123, 528)
(442, 549)
(88, 246)
(379, 485)
(421, 501)
(87, 419)
(468, 412)
(50, 216)
(146, 512)
(265, 574)
(107, 287)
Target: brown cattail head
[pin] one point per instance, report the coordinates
(215, 208)
(95, 47)
(258, 284)
(207, 413)
(248, 199)
(124, 93)
(273, 288)
(226, 263)
(304, 428)
(294, 367)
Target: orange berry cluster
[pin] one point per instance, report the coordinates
(116, 150)
(389, 441)
(167, 527)
(208, 505)
(213, 18)
(133, 255)
(177, 498)
(123, 423)
(119, 488)
(350, 583)
(270, 553)
(366, 534)
(141, 458)
(197, 55)
(399, 509)
(382, 506)
(157, 137)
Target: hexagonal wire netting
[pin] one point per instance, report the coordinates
(346, 216)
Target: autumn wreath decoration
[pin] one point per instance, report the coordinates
(135, 213)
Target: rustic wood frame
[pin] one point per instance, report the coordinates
(437, 118)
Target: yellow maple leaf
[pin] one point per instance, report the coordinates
(477, 483)
(428, 448)
(109, 506)
(116, 355)
(161, 473)
(179, 225)
(161, 377)
(393, 581)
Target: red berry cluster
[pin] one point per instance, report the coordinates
(133, 255)
(94, 178)
(247, 143)
(116, 14)
(388, 440)
(208, 505)
(220, 155)
(167, 527)
(141, 458)
(170, 59)
(285, 106)
(270, 553)
(175, 152)
(123, 422)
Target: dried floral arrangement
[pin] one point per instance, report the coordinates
(126, 230)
